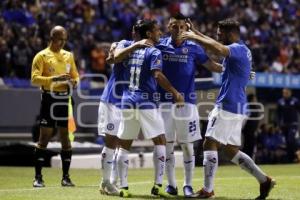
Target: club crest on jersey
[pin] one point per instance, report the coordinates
(185, 50)
(110, 126)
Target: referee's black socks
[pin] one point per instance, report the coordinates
(66, 157)
(39, 156)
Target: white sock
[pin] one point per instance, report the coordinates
(114, 172)
(188, 162)
(210, 164)
(122, 162)
(159, 160)
(247, 164)
(170, 164)
(106, 161)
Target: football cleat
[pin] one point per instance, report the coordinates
(124, 192)
(66, 181)
(266, 187)
(38, 181)
(202, 194)
(188, 191)
(157, 190)
(171, 190)
(107, 188)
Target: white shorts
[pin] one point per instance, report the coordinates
(225, 127)
(109, 119)
(181, 124)
(148, 120)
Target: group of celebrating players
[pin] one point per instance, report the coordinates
(160, 100)
(152, 89)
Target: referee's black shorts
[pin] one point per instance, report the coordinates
(54, 109)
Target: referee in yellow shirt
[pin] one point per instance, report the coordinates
(54, 70)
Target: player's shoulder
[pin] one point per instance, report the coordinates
(239, 44)
(153, 51)
(239, 49)
(164, 41)
(191, 43)
(125, 43)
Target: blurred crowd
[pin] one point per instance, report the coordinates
(279, 140)
(270, 29)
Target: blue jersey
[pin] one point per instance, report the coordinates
(179, 66)
(115, 86)
(232, 96)
(142, 90)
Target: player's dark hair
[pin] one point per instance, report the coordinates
(229, 25)
(144, 26)
(137, 24)
(179, 16)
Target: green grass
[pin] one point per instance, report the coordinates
(230, 183)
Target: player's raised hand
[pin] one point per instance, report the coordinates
(110, 57)
(179, 100)
(62, 77)
(190, 25)
(188, 35)
(143, 43)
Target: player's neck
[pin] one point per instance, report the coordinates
(178, 42)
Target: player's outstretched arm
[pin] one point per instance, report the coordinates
(166, 85)
(121, 54)
(213, 66)
(207, 42)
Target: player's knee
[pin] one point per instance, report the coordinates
(111, 141)
(169, 148)
(210, 144)
(187, 149)
(159, 140)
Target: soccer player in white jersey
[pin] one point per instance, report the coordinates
(180, 59)
(225, 120)
(139, 104)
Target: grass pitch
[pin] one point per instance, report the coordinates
(231, 183)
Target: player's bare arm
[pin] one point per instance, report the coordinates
(166, 85)
(193, 28)
(121, 54)
(213, 66)
(207, 42)
(110, 57)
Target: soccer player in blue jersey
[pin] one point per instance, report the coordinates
(139, 104)
(110, 116)
(180, 59)
(225, 120)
